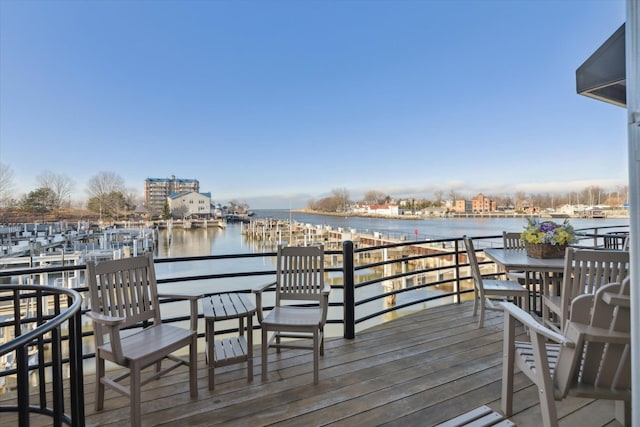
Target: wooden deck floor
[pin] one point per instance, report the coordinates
(418, 370)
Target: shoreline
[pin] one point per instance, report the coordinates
(496, 215)
(356, 214)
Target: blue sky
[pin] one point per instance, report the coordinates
(279, 102)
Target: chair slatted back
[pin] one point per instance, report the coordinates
(616, 241)
(124, 288)
(512, 240)
(614, 369)
(597, 367)
(474, 266)
(300, 274)
(586, 270)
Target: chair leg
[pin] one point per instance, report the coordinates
(193, 366)
(508, 365)
(316, 351)
(475, 301)
(543, 382)
(265, 346)
(322, 342)
(135, 395)
(481, 321)
(99, 404)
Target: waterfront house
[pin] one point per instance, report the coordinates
(156, 190)
(190, 204)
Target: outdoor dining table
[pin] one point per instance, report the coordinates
(544, 273)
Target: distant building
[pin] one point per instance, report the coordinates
(157, 190)
(480, 204)
(190, 204)
(527, 207)
(390, 209)
(462, 206)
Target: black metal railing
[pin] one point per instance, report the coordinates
(46, 326)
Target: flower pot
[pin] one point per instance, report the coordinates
(544, 250)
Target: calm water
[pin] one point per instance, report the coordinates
(197, 242)
(432, 228)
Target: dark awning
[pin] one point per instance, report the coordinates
(602, 76)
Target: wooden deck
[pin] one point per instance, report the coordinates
(418, 370)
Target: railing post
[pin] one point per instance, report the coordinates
(456, 272)
(349, 290)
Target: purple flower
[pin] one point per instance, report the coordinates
(546, 227)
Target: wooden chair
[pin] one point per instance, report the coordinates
(485, 288)
(512, 240)
(123, 294)
(300, 278)
(585, 271)
(591, 359)
(618, 241)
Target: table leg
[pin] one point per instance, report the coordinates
(210, 338)
(530, 282)
(250, 347)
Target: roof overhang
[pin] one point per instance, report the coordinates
(602, 76)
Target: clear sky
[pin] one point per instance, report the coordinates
(278, 102)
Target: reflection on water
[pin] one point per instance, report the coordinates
(201, 242)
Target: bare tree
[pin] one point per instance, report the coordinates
(6, 183)
(439, 195)
(102, 186)
(375, 197)
(341, 196)
(59, 185)
(180, 212)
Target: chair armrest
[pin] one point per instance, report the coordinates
(596, 334)
(180, 296)
(105, 320)
(617, 299)
(258, 292)
(326, 289)
(112, 323)
(193, 302)
(532, 324)
(263, 288)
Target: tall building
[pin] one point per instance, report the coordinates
(156, 190)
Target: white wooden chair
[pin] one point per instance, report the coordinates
(300, 279)
(124, 293)
(485, 288)
(585, 271)
(592, 358)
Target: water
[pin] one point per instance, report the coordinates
(431, 228)
(201, 242)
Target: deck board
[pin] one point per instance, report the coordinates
(417, 370)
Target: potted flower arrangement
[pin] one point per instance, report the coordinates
(547, 239)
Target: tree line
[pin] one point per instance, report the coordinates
(107, 198)
(107, 195)
(340, 200)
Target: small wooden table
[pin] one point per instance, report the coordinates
(228, 351)
(550, 269)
